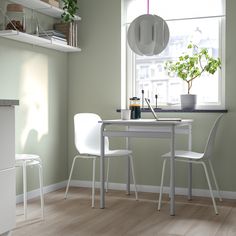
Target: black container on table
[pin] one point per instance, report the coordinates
(135, 108)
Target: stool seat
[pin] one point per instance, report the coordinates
(27, 157)
(28, 163)
(24, 160)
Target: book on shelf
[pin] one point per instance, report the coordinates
(52, 33)
(55, 39)
(74, 35)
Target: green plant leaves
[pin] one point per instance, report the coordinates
(70, 8)
(192, 64)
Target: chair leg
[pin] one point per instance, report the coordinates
(210, 188)
(93, 183)
(71, 171)
(214, 178)
(162, 182)
(41, 188)
(25, 189)
(133, 176)
(108, 167)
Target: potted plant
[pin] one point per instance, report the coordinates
(190, 66)
(70, 8)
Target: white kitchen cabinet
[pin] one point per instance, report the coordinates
(7, 166)
(7, 137)
(8, 200)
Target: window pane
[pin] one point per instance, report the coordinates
(151, 76)
(173, 9)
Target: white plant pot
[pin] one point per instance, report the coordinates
(188, 101)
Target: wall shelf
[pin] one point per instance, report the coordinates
(46, 9)
(42, 7)
(35, 40)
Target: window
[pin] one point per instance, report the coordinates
(201, 23)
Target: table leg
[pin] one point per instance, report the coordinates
(102, 171)
(172, 172)
(128, 164)
(190, 164)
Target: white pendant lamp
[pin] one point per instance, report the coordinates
(148, 34)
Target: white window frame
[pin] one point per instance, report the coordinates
(128, 65)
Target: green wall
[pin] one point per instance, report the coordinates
(38, 78)
(94, 74)
(94, 86)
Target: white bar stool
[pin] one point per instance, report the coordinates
(24, 160)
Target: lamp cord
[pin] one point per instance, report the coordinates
(148, 7)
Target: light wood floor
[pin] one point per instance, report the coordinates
(124, 216)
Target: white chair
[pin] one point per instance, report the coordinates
(87, 142)
(197, 158)
(24, 160)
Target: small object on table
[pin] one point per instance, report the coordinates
(135, 108)
(125, 114)
(156, 96)
(142, 98)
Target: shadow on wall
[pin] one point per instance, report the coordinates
(34, 97)
(40, 118)
(32, 145)
(32, 115)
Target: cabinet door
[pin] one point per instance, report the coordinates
(7, 137)
(7, 200)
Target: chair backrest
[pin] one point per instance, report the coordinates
(211, 138)
(87, 133)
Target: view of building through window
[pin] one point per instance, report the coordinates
(151, 76)
(149, 73)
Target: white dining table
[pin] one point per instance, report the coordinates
(146, 128)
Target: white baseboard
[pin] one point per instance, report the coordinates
(119, 186)
(156, 189)
(47, 189)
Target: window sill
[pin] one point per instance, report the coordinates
(184, 111)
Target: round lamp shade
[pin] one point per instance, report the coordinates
(148, 35)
